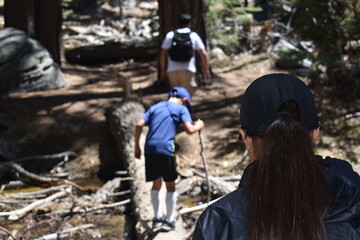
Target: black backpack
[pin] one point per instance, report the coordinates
(181, 49)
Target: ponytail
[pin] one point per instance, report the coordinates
(287, 185)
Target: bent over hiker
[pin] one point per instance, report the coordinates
(160, 163)
(177, 56)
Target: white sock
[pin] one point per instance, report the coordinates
(171, 198)
(155, 200)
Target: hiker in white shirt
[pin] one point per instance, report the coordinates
(182, 72)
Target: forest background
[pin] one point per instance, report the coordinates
(320, 43)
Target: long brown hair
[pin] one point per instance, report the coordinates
(287, 185)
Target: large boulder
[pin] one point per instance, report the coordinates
(25, 65)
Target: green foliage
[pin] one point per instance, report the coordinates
(66, 8)
(222, 16)
(330, 25)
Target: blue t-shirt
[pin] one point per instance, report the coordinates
(162, 126)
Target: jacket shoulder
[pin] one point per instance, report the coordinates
(224, 219)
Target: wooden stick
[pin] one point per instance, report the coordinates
(65, 155)
(19, 213)
(205, 167)
(28, 175)
(197, 208)
(110, 205)
(56, 235)
(77, 186)
(7, 232)
(87, 209)
(127, 179)
(34, 194)
(121, 173)
(119, 193)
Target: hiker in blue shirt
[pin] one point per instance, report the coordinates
(160, 163)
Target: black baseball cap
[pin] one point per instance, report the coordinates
(264, 96)
(184, 19)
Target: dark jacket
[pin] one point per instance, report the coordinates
(228, 217)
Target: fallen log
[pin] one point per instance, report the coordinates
(108, 188)
(219, 186)
(122, 119)
(112, 51)
(188, 184)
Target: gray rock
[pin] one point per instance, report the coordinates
(290, 55)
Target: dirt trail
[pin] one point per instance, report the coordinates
(76, 114)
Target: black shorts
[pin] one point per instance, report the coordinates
(159, 165)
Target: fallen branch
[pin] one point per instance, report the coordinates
(34, 194)
(81, 210)
(231, 178)
(197, 208)
(120, 193)
(19, 213)
(77, 186)
(7, 232)
(12, 185)
(121, 173)
(187, 184)
(60, 233)
(33, 178)
(65, 155)
(109, 205)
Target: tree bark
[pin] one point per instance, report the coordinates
(169, 14)
(39, 19)
(170, 11)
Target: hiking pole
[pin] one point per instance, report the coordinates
(205, 166)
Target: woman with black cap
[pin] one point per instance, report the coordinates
(286, 192)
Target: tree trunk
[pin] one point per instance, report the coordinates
(170, 11)
(48, 21)
(39, 19)
(19, 14)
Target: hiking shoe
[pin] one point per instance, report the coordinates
(157, 222)
(169, 225)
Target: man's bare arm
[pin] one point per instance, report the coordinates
(190, 128)
(204, 62)
(138, 129)
(163, 58)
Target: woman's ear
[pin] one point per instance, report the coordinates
(184, 101)
(246, 139)
(314, 134)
